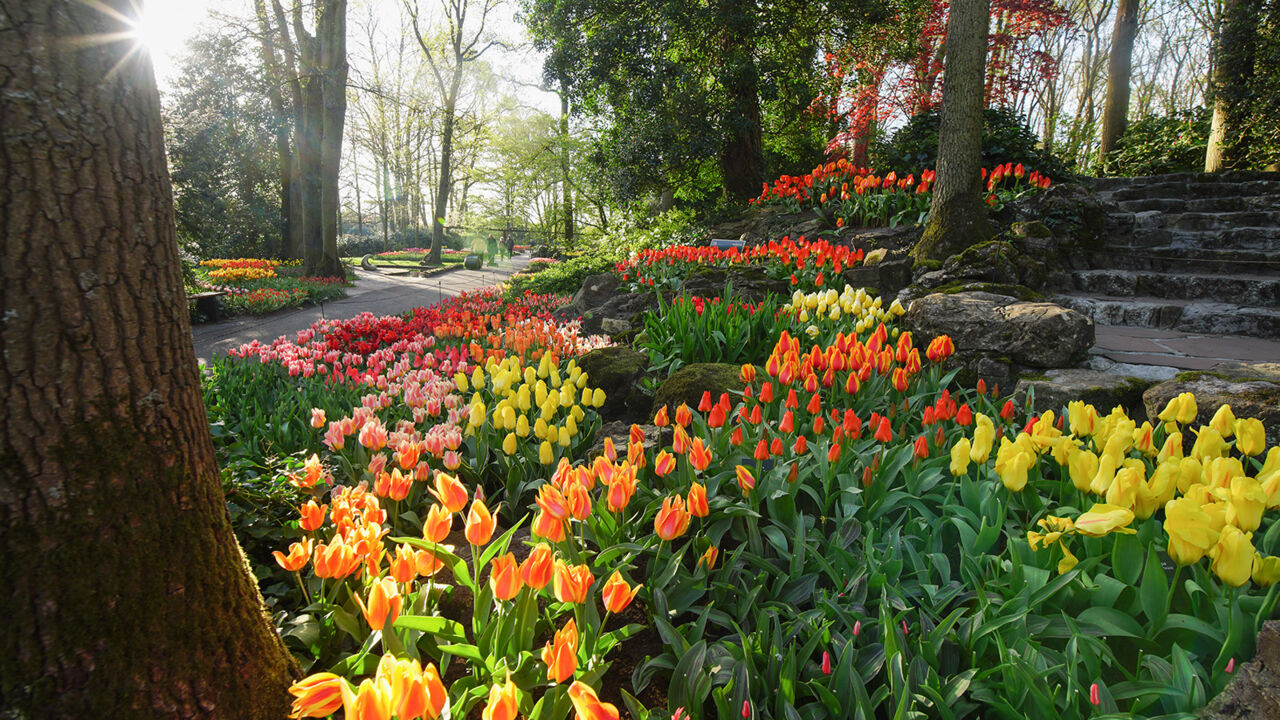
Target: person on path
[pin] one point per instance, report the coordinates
(491, 250)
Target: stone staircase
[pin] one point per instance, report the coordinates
(1189, 252)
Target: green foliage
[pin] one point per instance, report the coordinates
(220, 137)
(564, 277)
(1005, 139)
(1162, 144)
(703, 330)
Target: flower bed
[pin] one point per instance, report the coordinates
(807, 265)
(255, 287)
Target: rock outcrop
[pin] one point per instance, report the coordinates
(687, 384)
(1104, 391)
(618, 371)
(1251, 389)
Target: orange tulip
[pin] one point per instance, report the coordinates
(709, 557)
(503, 702)
(699, 455)
(570, 583)
(545, 526)
(552, 502)
(312, 515)
(680, 441)
(384, 603)
(438, 525)
(684, 416)
(621, 489)
(698, 501)
(299, 554)
(317, 696)
(335, 560)
(660, 418)
(371, 701)
(579, 501)
(617, 595)
(404, 566)
(426, 563)
(504, 577)
(588, 705)
(537, 568)
(664, 463)
(416, 693)
(746, 480)
(672, 520)
(407, 454)
(393, 485)
(451, 493)
(561, 655)
(480, 523)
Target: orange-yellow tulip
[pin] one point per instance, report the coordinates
(416, 693)
(480, 523)
(684, 415)
(404, 566)
(709, 557)
(588, 705)
(698, 501)
(299, 554)
(426, 563)
(617, 595)
(746, 480)
(561, 655)
(438, 524)
(699, 454)
(384, 603)
(312, 515)
(672, 520)
(680, 441)
(335, 560)
(537, 568)
(552, 502)
(503, 702)
(504, 577)
(579, 501)
(450, 492)
(393, 485)
(622, 488)
(664, 463)
(371, 701)
(546, 526)
(660, 418)
(317, 696)
(570, 583)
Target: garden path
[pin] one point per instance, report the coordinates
(374, 292)
(1179, 348)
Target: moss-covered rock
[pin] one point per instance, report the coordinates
(1251, 389)
(617, 371)
(1055, 388)
(688, 383)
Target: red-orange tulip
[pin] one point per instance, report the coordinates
(616, 594)
(480, 523)
(699, 454)
(317, 696)
(545, 526)
(588, 705)
(697, 501)
(561, 655)
(660, 418)
(504, 577)
(709, 557)
(684, 415)
(672, 520)
(552, 502)
(570, 583)
(664, 463)
(746, 480)
(537, 568)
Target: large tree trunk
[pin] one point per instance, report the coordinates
(331, 34)
(284, 148)
(1115, 114)
(126, 593)
(446, 179)
(564, 166)
(741, 154)
(958, 216)
(1235, 51)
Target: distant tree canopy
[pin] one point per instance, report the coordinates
(222, 155)
(696, 96)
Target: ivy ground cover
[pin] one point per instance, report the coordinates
(850, 535)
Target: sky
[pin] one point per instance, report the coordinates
(166, 26)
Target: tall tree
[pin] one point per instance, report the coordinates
(1235, 52)
(127, 595)
(958, 216)
(464, 44)
(1115, 115)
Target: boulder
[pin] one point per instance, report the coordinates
(596, 290)
(1034, 334)
(1056, 388)
(605, 309)
(687, 384)
(749, 284)
(1254, 691)
(995, 262)
(1251, 389)
(886, 277)
(618, 371)
(1073, 213)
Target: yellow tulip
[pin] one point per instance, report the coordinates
(1105, 475)
(1217, 512)
(1144, 439)
(1082, 466)
(1190, 530)
(1068, 560)
(509, 444)
(1233, 556)
(1219, 472)
(984, 434)
(522, 426)
(475, 417)
(545, 454)
(1181, 409)
(460, 381)
(1224, 421)
(1082, 418)
(1103, 519)
(1163, 483)
(1014, 472)
(1172, 447)
(477, 378)
(960, 457)
(1189, 473)
(597, 398)
(1251, 437)
(1209, 444)
(1123, 491)
(1266, 570)
(1248, 501)
(564, 439)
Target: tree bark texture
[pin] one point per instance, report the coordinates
(742, 152)
(289, 248)
(1235, 52)
(564, 166)
(446, 173)
(958, 216)
(1115, 113)
(126, 594)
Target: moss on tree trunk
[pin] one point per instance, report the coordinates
(127, 593)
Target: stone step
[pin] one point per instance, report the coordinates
(1234, 203)
(1235, 177)
(1223, 220)
(1247, 289)
(1188, 315)
(1171, 258)
(1262, 239)
(1192, 191)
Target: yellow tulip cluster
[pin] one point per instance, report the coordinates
(1212, 502)
(856, 306)
(530, 400)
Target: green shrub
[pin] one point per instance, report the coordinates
(1005, 139)
(1162, 144)
(564, 277)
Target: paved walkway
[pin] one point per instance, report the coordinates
(374, 292)
(1178, 349)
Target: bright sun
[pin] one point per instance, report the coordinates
(163, 27)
